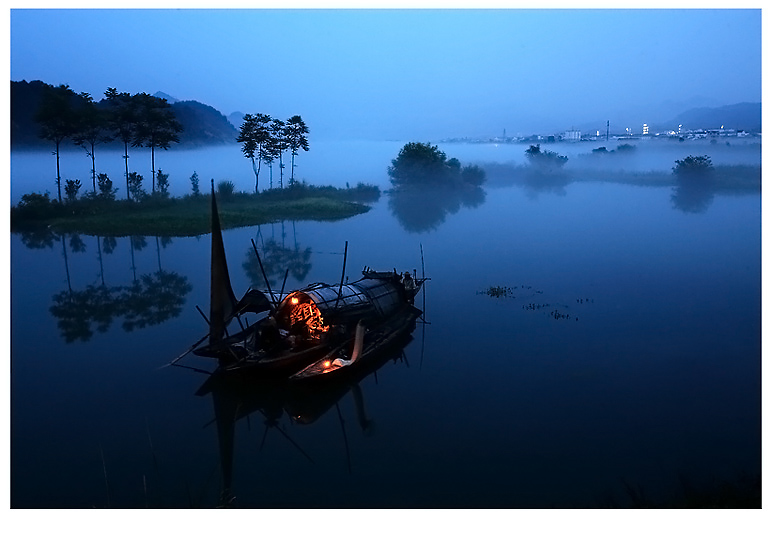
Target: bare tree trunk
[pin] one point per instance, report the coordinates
(256, 170)
(281, 171)
(93, 168)
(126, 160)
(58, 176)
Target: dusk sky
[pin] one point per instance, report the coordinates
(405, 74)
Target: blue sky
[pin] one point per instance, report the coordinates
(406, 74)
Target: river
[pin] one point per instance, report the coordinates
(625, 353)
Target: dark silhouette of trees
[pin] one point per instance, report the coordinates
(194, 184)
(696, 184)
(296, 131)
(139, 120)
(428, 186)
(156, 126)
(105, 185)
(90, 130)
(163, 183)
(122, 122)
(135, 186)
(255, 137)
(57, 120)
(418, 163)
(71, 189)
(278, 145)
(545, 161)
(421, 164)
(264, 139)
(268, 156)
(693, 167)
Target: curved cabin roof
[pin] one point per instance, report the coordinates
(361, 299)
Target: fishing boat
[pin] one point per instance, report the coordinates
(310, 332)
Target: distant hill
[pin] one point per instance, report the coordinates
(236, 119)
(25, 98)
(163, 95)
(202, 125)
(740, 116)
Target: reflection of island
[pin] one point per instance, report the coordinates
(420, 209)
(278, 259)
(691, 193)
(236, 398)
(150, 299)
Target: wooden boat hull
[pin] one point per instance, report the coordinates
(375, 341)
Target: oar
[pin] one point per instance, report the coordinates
(191, 348)
(265, 277)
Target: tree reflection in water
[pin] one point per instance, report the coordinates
(277, 258)
(693, 195)
(150, 299)
(422, 209)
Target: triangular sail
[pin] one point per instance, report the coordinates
(222, 300)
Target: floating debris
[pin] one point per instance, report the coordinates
(558, 311)
(498, 291)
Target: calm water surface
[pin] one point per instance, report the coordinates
(627, 351)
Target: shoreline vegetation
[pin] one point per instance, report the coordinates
(723, 178)
(189, 215)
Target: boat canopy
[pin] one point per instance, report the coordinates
(330, 304)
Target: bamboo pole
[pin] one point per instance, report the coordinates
(342, 274)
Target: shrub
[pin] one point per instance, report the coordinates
(106, 190)
(472, 174)
(36, 205)
(544, 160)
(419, 164)
(226, 188)
(194, 184)
(71, 189)
(693, 166)
(135, 186)
(163, 183)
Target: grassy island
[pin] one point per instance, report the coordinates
(189, 215)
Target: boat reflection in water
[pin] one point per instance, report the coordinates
(237, 396)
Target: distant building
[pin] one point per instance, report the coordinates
(645, 129)
(572, 135)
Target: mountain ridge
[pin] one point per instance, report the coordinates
(203, 125)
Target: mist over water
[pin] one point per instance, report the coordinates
(337, 163)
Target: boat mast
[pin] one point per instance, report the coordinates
(342, 275)
(222, 300)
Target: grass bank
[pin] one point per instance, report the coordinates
(190, 215)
